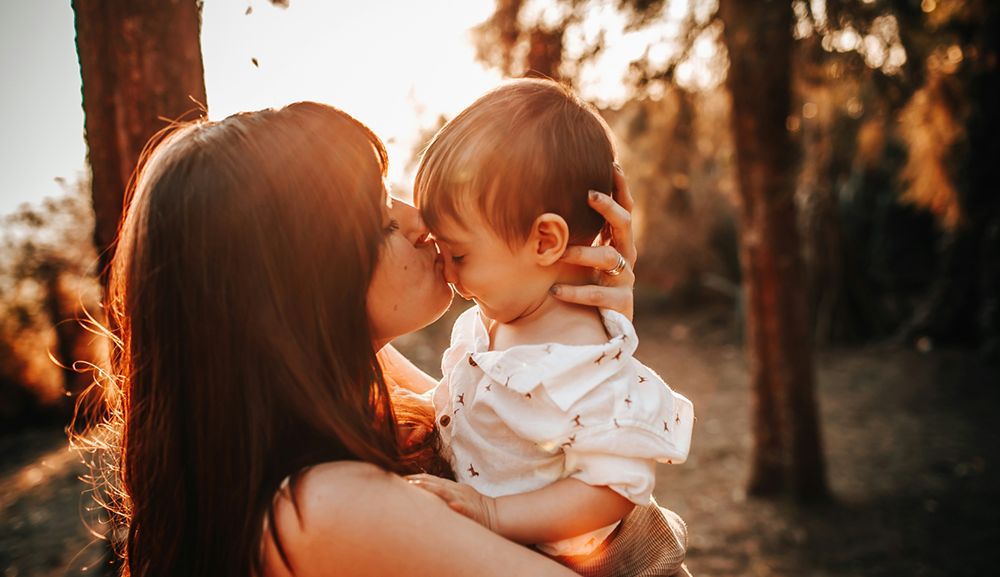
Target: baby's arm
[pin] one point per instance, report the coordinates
(564, 509)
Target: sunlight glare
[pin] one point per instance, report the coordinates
(397, 69)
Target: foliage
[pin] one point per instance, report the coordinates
(885, 109)
(47, 280)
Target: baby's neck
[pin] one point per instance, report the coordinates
(552, 321)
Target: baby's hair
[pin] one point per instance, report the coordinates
(525, 148)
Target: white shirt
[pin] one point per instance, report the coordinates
(518, 420)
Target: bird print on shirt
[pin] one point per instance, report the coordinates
(472, 470)
(600, 358)
(576, 421)
(461, 399)
(628, 402)
(618, 356)
(569, 442)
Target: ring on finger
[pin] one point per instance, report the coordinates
(618, 268)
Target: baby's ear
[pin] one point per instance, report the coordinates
(549, 238)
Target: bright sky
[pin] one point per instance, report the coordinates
(394, 64)
(397, 65)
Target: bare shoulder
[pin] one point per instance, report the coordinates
(330, 501)
(330, 497)
(355, 519)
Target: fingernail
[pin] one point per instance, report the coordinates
(618, 167)
(594, 195)
(554, 289)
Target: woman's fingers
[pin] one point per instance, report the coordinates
(603, 258)
(615, 298)
(622, 193)
(620, 221)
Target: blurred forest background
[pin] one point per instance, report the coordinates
(818, 222)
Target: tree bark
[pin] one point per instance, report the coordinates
(787, 450)
(141, 66)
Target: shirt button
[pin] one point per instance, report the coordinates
(472, 362)
(445, 420)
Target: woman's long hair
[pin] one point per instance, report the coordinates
(237, 299)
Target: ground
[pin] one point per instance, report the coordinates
(912, 456)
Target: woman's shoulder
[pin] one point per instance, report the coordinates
(332, 490)
(327, 504)
(355, 519)
(337, 475)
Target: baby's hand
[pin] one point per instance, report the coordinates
(461, 498)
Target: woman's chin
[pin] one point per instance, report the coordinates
(436, 306)
(447, 296)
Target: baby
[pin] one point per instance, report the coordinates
(552, 428)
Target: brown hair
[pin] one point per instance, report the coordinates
(525, 148)
(237, 296)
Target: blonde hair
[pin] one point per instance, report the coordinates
(525, 148)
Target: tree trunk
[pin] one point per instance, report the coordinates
(141, 66)
(64, 323)
(787, 447)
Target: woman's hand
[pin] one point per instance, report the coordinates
(614, 258)
(461, 498)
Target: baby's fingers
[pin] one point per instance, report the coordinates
(460, 508)
(432, 484)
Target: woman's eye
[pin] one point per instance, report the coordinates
(392, 227)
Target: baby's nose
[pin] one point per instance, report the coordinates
(450, 274)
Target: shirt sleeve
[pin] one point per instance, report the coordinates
(623, 428)
(631, 478)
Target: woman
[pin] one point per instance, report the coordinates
(260, 268)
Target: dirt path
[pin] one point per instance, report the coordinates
(912, 454)
(43, 505)
(912, 457)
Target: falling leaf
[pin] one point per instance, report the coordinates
(248, 11)
(255, 63)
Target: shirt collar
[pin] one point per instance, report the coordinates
(563, 370)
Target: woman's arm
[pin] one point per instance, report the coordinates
(356, 520)
(403, 372)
